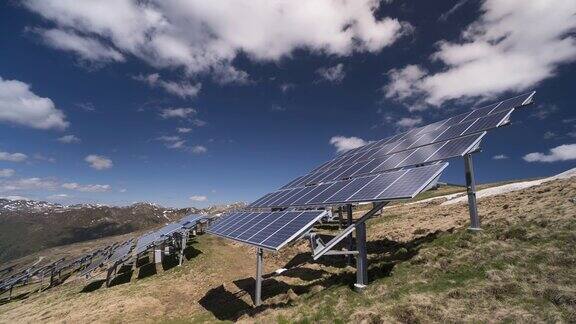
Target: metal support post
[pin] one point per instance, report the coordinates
(471, 190)
(183, 247)
(350, 238)
(258, 290)
(361, 258)
(340, 220)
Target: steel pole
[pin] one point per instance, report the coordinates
(258, 290)
(350, 238)
(471, 190)
(361, 258)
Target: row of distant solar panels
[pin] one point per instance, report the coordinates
(401, 184)
(437, 133)
(124, 251)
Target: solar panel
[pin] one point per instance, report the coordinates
(475, 121)
(121, 252)
(268, 230)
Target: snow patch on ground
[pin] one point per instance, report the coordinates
(454, 199)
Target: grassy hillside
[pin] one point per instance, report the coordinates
(424, 267)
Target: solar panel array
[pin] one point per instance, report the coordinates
(397, 167)
(269, 230)
(400, 184)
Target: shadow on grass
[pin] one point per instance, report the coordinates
(383, 256)
(94, 285)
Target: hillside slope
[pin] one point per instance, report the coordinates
(31, 226)
(424, 267)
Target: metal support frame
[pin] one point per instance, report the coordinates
(183, 243)
(471, 190)
(350, 258)
(361, 257)
(258, 281)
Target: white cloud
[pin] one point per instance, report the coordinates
(182, 89)
(12, 157)
(452, 10)
(99, 162)
(184, 130)
(87, 48)
(344, 144)
(198, 198)
(86, 188)
(277, 108)
(205, 37)
(544, 111)
(44, 158)
(500, 157)
(176, 145)
(498, 53)
(198, 149)
(122, 190)
(28, 184)
(6, 173)
(408, 122)
(285, 87)
(21, 106)
(69, 139)
(334, 74)
(59, 197)
(15, 198)
(559, 153)
(549, 135)
(177, 113)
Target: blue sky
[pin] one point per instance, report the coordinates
(196, 103)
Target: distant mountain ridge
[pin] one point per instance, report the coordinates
(27, 226)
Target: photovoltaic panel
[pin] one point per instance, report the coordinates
(365, 189)
(460, 125)
(269, 230)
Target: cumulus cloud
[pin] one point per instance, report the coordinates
(87, 48)
(14, 197)
(177, 113)
(6, 173)
(497, 54)
(198, 198)
(334, 74)
(28, 184)
(184, 130)
(344, 144)
(182, 89)
(19, 105)
(205, 37)
(549, 135)
(98, 162)
(198, 149)
(408, 122)
(69, 139)
(12, 157)
(564, 152)
(285, 87)
(544, 111)
(500, 157)
(59, 197)
(86, 188)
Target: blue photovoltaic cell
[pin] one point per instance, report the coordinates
(335, 187)
(316, 190)
(412, 182)
(269, 230)
(378, 185)
(487, 122)
(354, 186)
